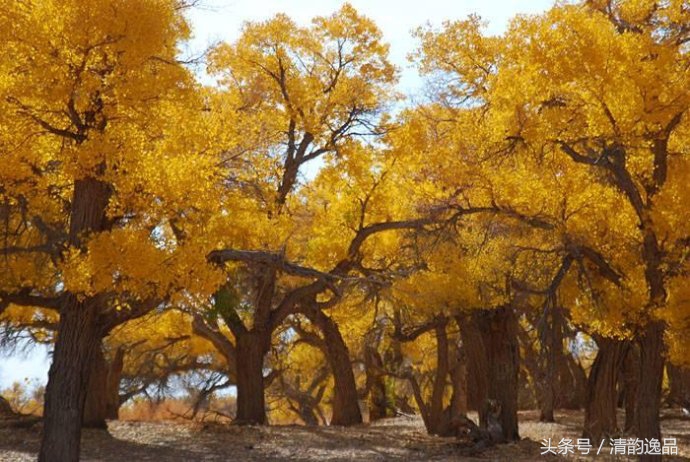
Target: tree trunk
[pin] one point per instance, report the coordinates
(551, 336)
(103, 395)
(476, 361)
(492, 353)
(437, 425)
(6, 410)
(648, 398)
(376, 385)
(112, 410)
(573, 383)
(95, 408)
(500, 341)
(600, 407)
(251, 347)
(78, 337)
(346, 410)
(458, 377)
(631, 376)
(679, 386)
(530, 360)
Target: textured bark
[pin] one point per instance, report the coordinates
(551, 355)
(530, 360)
(103, 395)
(251, 347)
(95, 407)
(600, 408)
(346, 409)
(437, 424)
(477, 362)
(651, 341)
(679, 386)
(376, 385)
(500, 340)
(630, 382)
(572, 383)
(78, 337)
(492, 352)
(648, 397)
(458, 377)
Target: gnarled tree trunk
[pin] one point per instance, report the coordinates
(346, 410)
(103, 395)
(251, 348)
(500, 340)
(600, 407)
(492, 352)
(476, 361)
(376, 384)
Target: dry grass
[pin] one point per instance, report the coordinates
(144, 410)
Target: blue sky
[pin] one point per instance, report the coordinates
(221, 20)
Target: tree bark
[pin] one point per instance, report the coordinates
(648, 398)
(117, 364)
(251, 348)
(500, 341)
(679, 386)
(631, 376)
(346, 409)
(95, 407)
(376, 384)
(103, 395)
(438, 425)
(600, 408)
(573, 383)
(477, 362)
(530, 360)
(491, 347)
(78, 337)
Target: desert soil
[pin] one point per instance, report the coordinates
(401, 439)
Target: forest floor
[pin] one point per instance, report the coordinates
(401, 439)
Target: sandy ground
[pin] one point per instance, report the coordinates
(401, 439)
